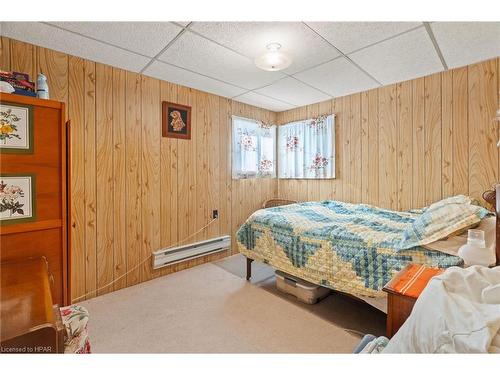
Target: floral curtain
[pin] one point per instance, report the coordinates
(254, 148)
(306, 149)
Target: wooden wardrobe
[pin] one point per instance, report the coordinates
(46, 233)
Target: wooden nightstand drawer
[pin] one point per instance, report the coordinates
(403, 291)
(398, 310)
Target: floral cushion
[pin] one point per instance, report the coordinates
(79, 344)
(75, 319)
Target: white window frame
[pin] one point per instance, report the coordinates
(238, 175)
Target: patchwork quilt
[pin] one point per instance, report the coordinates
(352, 248)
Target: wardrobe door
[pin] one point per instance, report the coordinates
(34, 213)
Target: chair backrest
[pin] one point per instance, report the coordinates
(274, 202)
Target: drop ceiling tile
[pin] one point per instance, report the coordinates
(200, 55)
(51, 37)
(306, 48)
(351, 36)
(407, 56)
(338, 78)
(292, 91)
(464, 43)
(262, 101)
(146, 38)
(183, 77)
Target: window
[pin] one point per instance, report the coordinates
(306, 149)
(254, 148)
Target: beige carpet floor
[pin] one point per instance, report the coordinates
(341, 310)
(207, 309)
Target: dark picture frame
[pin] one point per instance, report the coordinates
(175, 120)
(5, 149)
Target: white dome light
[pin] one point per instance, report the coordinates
(273, 60)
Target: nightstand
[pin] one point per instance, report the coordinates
(403, 291)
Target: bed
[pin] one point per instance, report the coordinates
(353, 248)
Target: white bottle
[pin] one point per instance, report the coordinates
(475, 251)
(42, 88)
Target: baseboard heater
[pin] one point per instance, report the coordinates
(166, 257)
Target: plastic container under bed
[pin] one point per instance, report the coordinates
(304, 291)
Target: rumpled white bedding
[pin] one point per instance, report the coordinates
(458, 312)
(375, 346)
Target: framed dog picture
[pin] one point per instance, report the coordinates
(176, 120)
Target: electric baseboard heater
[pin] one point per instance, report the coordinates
(166, 257)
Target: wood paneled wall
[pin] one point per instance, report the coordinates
(409, 144)
(132, 191)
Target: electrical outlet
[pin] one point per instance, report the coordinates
(215, 214)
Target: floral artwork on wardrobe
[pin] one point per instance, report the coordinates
(254, 148)
(16, 198)
(16, 129)
(306, 149)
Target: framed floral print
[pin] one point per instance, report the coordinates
(17, 198)
(176, 120)
(16, 128)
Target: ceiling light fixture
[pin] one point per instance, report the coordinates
(274, 59)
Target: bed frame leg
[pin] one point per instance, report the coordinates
(249, 268)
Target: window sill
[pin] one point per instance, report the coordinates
(307, 178)
(254, 178)
(283, 178)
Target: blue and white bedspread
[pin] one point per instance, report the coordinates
(352, 248)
